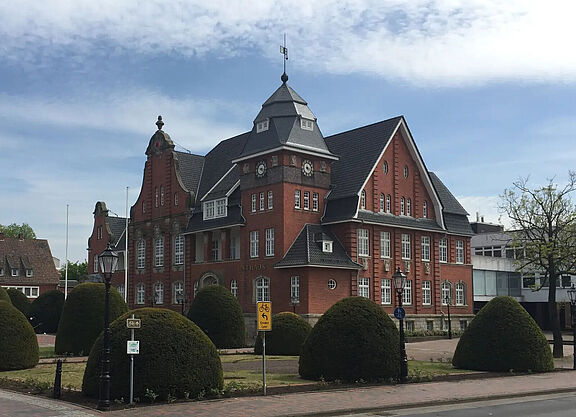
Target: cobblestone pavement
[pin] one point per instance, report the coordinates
(13, 404)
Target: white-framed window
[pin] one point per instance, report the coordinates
(407, 294)
(221, 205)
(234, 247)
(30, 292)
(262, 126)
(270, 242)
(363, 242)
(306, 200)
(179, 250)
(295, 288)
(426, 293)
(234, 287)
(15, 272)
(177, 292)
(382, 203)
(140, 293)
(363, 200)
(443, 250)
(262, 289)
(297, 199)
(306, 124)
(261, 201)
(459, 290)
(386, 291)
(463, 325)
(162, 195)
(156, 196)
(425, 210)
(385, 167)
(215, 209)
(409, 325)
(405, 171)
(96, 264)
(270, 200)
(99, 233)
(253, 203)
(388, 203)
(408, 207)
(159, 251)
(141, 254)
(196, 288)
(209, 210)
(406, 247)
(176, 199)
(29, 272)
(327, 246)
(332, 284)
(364, 287)
(459, 252)
(254, 243)
(385, 247)
(425, 248)
(216, 247)
(446, 292)
(314, 201)
(159, 293)
(402, 204)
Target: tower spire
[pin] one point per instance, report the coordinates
(284, 51)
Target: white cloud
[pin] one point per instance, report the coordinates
(431, 42)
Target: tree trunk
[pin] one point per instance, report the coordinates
(558, 351)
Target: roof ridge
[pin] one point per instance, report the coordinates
(364, 127)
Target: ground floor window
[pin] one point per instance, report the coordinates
(140, 293)
(234, 288)
(30, 292)
(364, 287)
(262, 289)
(407, 294)
(463, 324)
(159, 293)
(409, 325)
(430, 325)
(177, 292)
(386, 291)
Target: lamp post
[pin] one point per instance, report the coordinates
(448, 302)
(294, 301)
(399, 284)
(572, 295)
(108, 262)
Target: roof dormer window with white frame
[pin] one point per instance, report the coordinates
(306, 124)
(215, 209)
(262, 126)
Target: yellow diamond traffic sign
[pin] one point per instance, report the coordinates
(264, 314)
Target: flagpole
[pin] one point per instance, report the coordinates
(66, 274)
(126, 254)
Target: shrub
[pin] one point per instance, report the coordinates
(19, 300)
(45, 311)
(83, 317)
(4, 295)
(289, 331)
(503, 337)
(217, 312)
(176, 358)
(18, 342)
(355, 339)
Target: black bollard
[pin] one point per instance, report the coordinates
(57, 393)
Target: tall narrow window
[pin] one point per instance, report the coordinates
(254, 244)
(140, 254)
(425, 248)
(177, 292)
(426, 293)
(381, 203)
(364, 287)
(363, 242)
(216, 246)
(234, 288)
(363, 200)
(406, 247)
(385, 245)
(140, 293)
(175, 199)
(314, 201)
(270, 200)
(385, 167)
(388, 203)
(262, 289)
(95, 264)
(156, 196)
(459, 252)
(460, 299)
(386, 291)
(306, 200)
(408, 207)
(270, 242)
(402, 204)
(261, 201)
(158, 293)
(443, 250)
(179, 250)
(446, 292)
(120, 289)
(253, 203)
(162, 195)
(295, 288)
(297, 199)
(159, 251)
(425, 210)
(407, 294)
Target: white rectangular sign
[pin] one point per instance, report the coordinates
(133, 347)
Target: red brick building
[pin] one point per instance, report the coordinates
(281, 213)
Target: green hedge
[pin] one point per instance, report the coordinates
(83, 317)
(45, 311)
(217, 312)
(289, 331)
(176, 358)
(18, 343)
(503, 337)
(20, 301)
(4, 295)
(354, 340)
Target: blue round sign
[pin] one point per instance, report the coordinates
(399, 313)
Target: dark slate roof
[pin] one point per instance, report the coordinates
(222, 188)
(190, 167)
(307, 251)
(197, 224)
(399, 221)
(28, 253)
(449, 202)
(457, 223)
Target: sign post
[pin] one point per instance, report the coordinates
(132, 348)
(264, 318)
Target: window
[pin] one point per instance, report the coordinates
(159, 252)
(406, 247)
(254, 244)
(270, 200)
(234, 247)
(408, 207)
(179, 250)
(402, 211)
(364, 287)
(95, 264)
(425, 248)
(407, 294)
(306, 124)
(262, 289)
(405, 171)
(209, 210)
(1, 272)
(162, 195)
(262, 126)
(409, 325)
(156, 196)
(385, 245)
(314, 201)
(386, 291)
(143, 207)
(215, 209)
(388, 203)
(385, 167)
(459, 252)
(306, 200)
(177, 292)
(459, 290)
(261, 201)
(221, 207)
(29, 272)
(363, 200)
(120, 289)
(430, 325)
(15, 272)
(158, 293)
(140, 293)
(426, 293)
(234, 288)
(297, 199)
(332, 284)
(327, 246)
(295, 288)
(196, 287)
(215, 247)
(363, 242)
(445, 325)
(425, 210)
(141, 254)
(30, 292)
(443, 250)
(463, 324)
(253, 207)
(446, 291)
(270, 242)
(99, 233)
(175, 199)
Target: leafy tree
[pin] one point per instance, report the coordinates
(14, 230)
(76, 271)
(544, 224)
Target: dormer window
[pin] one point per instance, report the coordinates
(306, 124)
(262, 126)
(327, 246)
(215, 209)
(325, 242)
(1, 272)
(15, 272)
(29, 272)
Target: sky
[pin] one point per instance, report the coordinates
(487, 88)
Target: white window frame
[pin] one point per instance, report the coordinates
(425, 210)
(386, 291)
(161, 195)
(402, 205)
(179, 250)
(175, 199)
(459, 251)
(95, 269)
(159, 252)
(407, 293)
(270, 242)
(254, 238)
(363, 200)
(443, 250)
(270, 200)
(261, 201)
(28, 291)
(262, 126)
(459, 290)
(332, 284)
(306, 200)
(314, 201)
(446, 292)
(426, 293)
(406, 247)
(385, 167)
(364, 287)
(295, 288)
(141, 254)
(388, 203)
(216, 247)
(177, 292)
(140, 293)
(363, 238)
(215, 209)
(426, 248)
(253, 203)
(262, 289)
(156, 196)
(159, 293)
(306, 124)
(29, 272)
(296, 199)
(327, 246)
(15, 272)
(385, 245)
(408, 207)
(234, 287)
(382, 198)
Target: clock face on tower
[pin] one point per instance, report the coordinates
(260, 169)
(307, 168)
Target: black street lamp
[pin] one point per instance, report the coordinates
(108, 262)
(399, 284)
(572, 295)
(448, 302)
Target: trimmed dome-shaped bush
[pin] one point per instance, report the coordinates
(83, 317)
(175, 358)
(289, 331)
(355, 339)
(45, 311)
(18, 343)
(4, 295)
(503, 337)
(19, 300)
(217, 312)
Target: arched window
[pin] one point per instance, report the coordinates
(381, 202)
(385, 167)
(179, 250)
(388, 203)
(425, 209)
(446, 288)
(159, 251)
(140, 293)
(402, 206)
(460, 293)
(234, 288)
(159, 293)
(262, 289)
(408, 207)
(177, 292)
(405, 171)
(141, 254)
(363, 200)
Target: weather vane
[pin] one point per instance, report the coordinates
(284, 51)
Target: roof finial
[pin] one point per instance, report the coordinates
(284, 51)
(159, 123)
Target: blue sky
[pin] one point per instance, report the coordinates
(487, 87)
